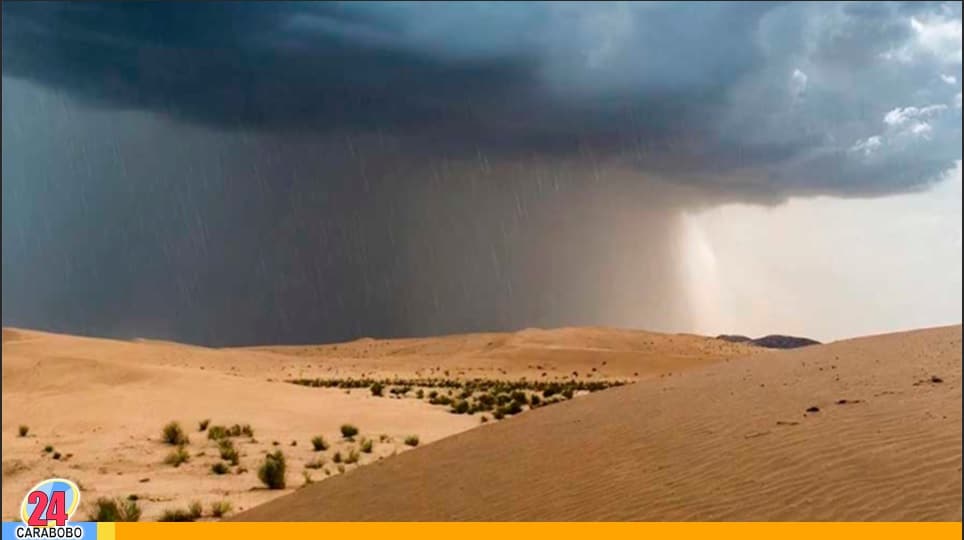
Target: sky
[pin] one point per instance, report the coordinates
(243, 173)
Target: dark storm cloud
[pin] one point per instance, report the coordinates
(759, 98)
(237, 173)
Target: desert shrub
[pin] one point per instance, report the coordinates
(318, 443)
(411, 440)
(341, 468)
(217, 433)
(177, 514)
(272, 471)
(23, 430)
(378, 389)
(307, 477)
(513, 408)
(419, 394)
(203, 424)
(384, 438)
(519, 397)
(234, 431)
(220, 508)
(460, 407)
(173, 434)
(567, 393)
(337, 457)
(48, 449)
(177, 457)
(441, 400)
(366, 446)
(486, 402)
(228, 451)
(56, 455)
(219, 468)
(348, 431)
(433, 394)
(247, 430)
(107, 510)
(195, 509)
(352, 457)
(499, 414)
(534, 400)
(484, 419)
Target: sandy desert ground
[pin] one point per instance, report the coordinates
(862, 429)
(100, 404)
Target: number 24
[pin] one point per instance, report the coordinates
(45, 510)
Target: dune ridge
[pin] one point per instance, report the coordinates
(861, 429)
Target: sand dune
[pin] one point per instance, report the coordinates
(733, 441)
(101, 403)
(533, 353)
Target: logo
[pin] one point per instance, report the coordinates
(47, 508)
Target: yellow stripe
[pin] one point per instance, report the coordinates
(107, 531)
(530, 531)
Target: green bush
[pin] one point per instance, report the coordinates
(203, 424)
(272, 471)
(352, 457)
(48, 449)
(23, 430)
(216, 433)
(411, 440)
(177, 457)
(109, 510)
(220, 508)
(219, 468)
(378, 389)
(318, 443)
(460, 407)
(195, 509)
(176, 515)
(173, 434)
(348, 431)
(366, 446)
(337, 457)
(227, 451)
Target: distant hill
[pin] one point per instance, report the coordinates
(772, 341)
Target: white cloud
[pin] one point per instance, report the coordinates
(949, 79)
(798, 83)
(867, 146)
(939, 36)
(902, 115)
(957, 100)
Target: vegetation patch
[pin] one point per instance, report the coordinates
(177, 457)
(272, 471)
(112, 510)
(173, 434)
